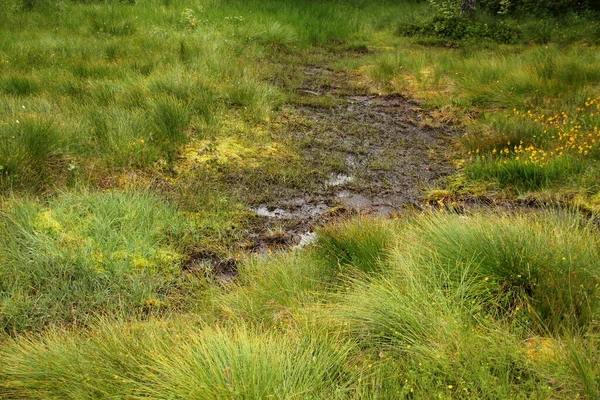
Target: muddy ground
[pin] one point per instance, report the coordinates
(375, 155)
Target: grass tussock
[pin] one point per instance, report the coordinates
(464, 308)
(360, 246)
(30, 150)
(542, 269)
(176, 359)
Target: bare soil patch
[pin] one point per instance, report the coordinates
(372, 154)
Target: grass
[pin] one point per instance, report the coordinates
(527, 264)
(177, 359)
(531, 117)
(29, 150)
(85, 254)
(362, 247)
(461, 310)
(134, 137)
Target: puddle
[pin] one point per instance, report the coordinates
(355, 200)
(302, 211)
(306, 239)
(339, 180)
(263, 211)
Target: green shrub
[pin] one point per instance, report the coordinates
(457, 27)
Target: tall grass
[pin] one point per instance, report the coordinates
(444, 306)
(275, 291)
(361, 245)
(174, 359)
(119, 60)
(20, 86)
(449, 316)
(170, 119)
(459, 311)
(422, 340)
(544, 268)
(28, 148)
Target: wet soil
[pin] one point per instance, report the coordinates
(374, 155)
(212, 265)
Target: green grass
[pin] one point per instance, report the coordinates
(354, 247)
(527, 177)
(84, 254)
(134, 135)
(465, 308)
(509, 94)
(545, 266)
(178, 360)
(30, 150)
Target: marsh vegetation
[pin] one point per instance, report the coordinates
(165, 164)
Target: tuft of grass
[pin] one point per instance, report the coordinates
(274, 35)
(581, 355)
(174, 359)
(543, 269)
(419, 338)
(254, 97)
(171, 120)
(122, 138)
(27, 148)
(19, 86)
(272, 291)
(360, 245)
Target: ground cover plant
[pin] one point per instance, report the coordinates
(159, 159)
(87, 253)
(446, 314)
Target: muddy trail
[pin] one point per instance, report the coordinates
(376, 155)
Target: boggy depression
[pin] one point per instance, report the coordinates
(377, 154)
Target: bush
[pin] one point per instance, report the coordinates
(536, 7)
(455, 27)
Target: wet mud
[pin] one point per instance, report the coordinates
(375, 155)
